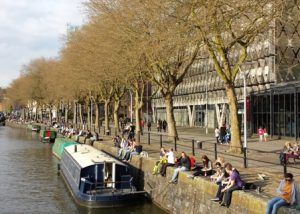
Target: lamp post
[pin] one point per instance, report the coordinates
(147, 110)
(245, 116)
(91, 113)
(206, 105)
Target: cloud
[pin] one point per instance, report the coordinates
(31, 29)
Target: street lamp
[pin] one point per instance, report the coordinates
(206, 105)
(245, 112)
(91, 113)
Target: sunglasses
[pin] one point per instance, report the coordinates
(288, 179)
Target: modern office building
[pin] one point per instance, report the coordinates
(272, 72)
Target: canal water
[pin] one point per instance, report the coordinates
(29, 182)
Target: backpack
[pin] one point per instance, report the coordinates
(249, 186)
(193, 161)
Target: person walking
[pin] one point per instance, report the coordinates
(265, 135)
(149, 126)
(164, 125)
(159, 125)
(260, 133)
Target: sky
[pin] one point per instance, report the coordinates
(31, 29)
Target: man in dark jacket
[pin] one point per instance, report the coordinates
(185, 165)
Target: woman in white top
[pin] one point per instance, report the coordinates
(171, 162)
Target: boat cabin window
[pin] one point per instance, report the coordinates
(108, 174)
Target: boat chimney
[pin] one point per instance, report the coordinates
(75, 148)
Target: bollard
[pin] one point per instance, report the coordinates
(245, 157)
(58, 169)
(199, 144)
(193, 147)
(216, 151)
(160, 141)
(175, 143)
(148, 138)
(75, 148)
(284, 163)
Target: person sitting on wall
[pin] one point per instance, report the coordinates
(94, 138)
(124, 146)
(170, 162)
(117, 141)
(130, 149)
(137, 150)
(205, 170)
(287, 194)
(184, 165)
(88, 136)
(80, 133)
(218, 175)
(235, 183)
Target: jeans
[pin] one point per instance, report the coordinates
(219, 192)
(164, 168)
(228, 194)
(132, 154)
(274, 204)
(176, 172)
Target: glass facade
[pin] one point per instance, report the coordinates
(277, 111)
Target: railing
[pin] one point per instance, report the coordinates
(211, 148)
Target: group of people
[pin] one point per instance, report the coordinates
(166, 158)
(70, 131)
(161, 125)
(127, 148)
(223, 134)
(224, 175)
(289, 151)
(263, 134)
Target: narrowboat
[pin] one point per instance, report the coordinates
(60, 144)
(48, 135)
(96, 179)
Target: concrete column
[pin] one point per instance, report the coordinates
(191, 114)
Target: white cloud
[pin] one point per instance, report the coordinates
(31, 29)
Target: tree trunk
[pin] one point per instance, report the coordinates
(236, 143)
(36, 114)
(97, 115)
(172, 131)
(66, 114)
(50, 114)
(116, 116)
(80, 114)
(75, 112)
(138, 104)
(41, 115)
(106, 116)
(89, 117)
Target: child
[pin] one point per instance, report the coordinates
(265, 135)
(261, 134)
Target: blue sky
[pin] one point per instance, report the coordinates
(31, 29)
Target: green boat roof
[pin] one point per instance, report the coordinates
(60, 144)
